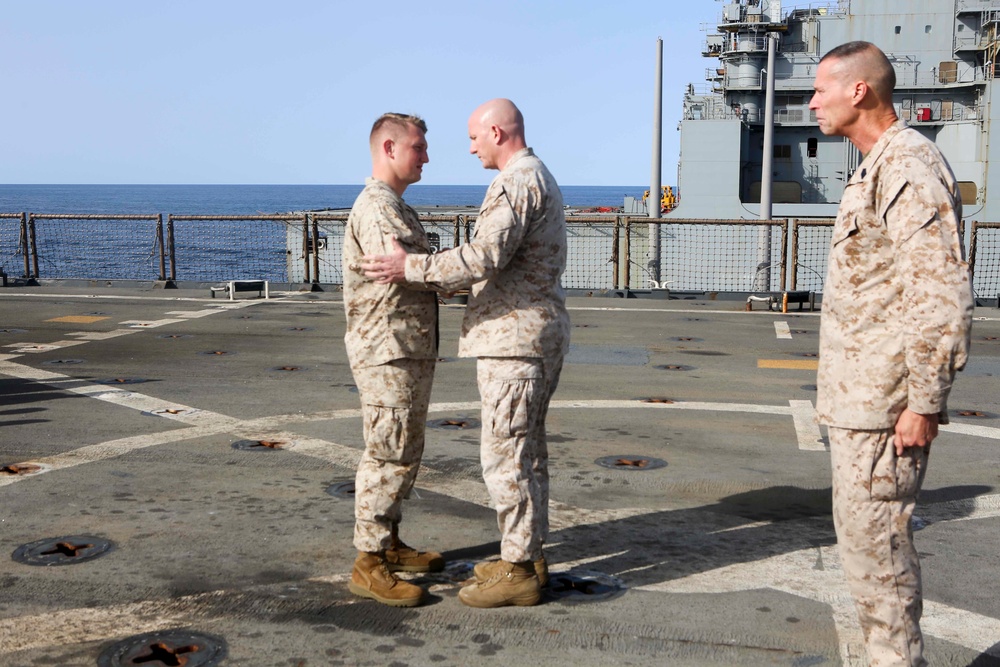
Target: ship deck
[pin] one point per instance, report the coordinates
(690, 488)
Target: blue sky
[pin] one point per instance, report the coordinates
(220, 91)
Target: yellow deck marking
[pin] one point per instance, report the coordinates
(792, 364)
(78, 319)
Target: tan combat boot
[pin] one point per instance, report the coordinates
(371, 578)
(401, 558)
(510, 584)
(484, 570)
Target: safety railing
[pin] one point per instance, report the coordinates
(984, 260)
(592, 259)
(113, 247)
(705, 255)
(810, 249)
(14, 243)
(229, 247)
(320, 244)
(605, 252)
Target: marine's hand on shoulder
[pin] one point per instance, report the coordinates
(914, 430)
(385, 269)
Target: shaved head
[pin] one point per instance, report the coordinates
(863, 61)
(496, 132)
(503, 113)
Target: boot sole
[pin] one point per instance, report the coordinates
(392, 602)
(414, 568)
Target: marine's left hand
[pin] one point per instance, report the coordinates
(386, 269)
(914, 430)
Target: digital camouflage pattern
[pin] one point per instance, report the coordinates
(513, 265)
(516, 323)
(514, 452)
(895, 328)
(394, 401)
(385, 322)
(874, 493)
(897, 301)
(391, 343)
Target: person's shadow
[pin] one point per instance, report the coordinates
(663, 546)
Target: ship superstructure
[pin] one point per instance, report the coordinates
(944, 53)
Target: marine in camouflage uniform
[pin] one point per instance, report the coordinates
(897, 307)
(391, 339)
(391, 344)
(516, 325)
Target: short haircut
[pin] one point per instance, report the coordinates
(868, 61)
(396, 123)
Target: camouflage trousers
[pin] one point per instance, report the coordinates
(874, 492)
(394, 401)
(515, 395)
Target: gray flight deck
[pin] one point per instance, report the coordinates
(120, 408)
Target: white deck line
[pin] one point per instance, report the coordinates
(806, 429)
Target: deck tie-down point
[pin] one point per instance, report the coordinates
(630, 462)
(583, 586)
(343, 490)
(174, 648)
(454, 423)
(19, 469)
(62, 550)
(259, 445)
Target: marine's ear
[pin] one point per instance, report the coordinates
(388, 147)
(858, 92)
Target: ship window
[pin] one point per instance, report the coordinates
(811, 146)
(899, 29)
(961, 27)
(927, 29)
(782, 192)
(969, 192)
(782, 152)
(789, 100)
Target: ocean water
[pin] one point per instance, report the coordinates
(203, 250)
(251, 199)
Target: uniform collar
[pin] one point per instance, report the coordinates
(372, 181)
(521, 154)
(876, 152)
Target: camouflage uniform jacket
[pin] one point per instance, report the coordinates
(384, 322)
(517, 306)
(897, 303)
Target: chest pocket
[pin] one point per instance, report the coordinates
(844, 229)
(854, 202)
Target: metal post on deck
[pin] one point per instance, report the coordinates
(162, 280)
(24, 246)
(315, 258)
(627, 278)
(762, 277)
(32, 278)
(305, 252)
(615, 262)
(653, 202)
(170, 248)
